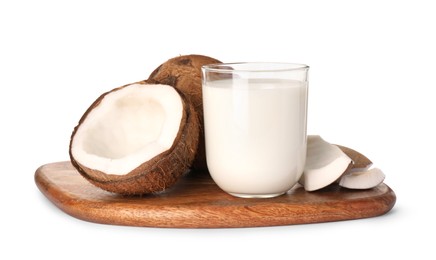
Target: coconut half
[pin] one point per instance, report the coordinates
(136, 139)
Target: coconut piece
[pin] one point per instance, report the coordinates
(325, 163)
(184, 73)
(136, 139)
(360, 161)
(361, 175)
(365, 179)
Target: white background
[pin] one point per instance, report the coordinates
(372, 78)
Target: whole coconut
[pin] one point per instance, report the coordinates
(184, 73)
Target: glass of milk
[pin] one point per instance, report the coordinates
(255, 117)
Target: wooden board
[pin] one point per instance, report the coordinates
(196, 202)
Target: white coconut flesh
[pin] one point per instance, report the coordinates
(364, 179)
(128, 127)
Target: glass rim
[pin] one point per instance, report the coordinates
(263, 67)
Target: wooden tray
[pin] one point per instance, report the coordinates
(196, 202)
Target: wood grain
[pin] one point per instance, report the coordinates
(196, 202)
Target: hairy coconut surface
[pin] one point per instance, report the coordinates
(184, 73)
(136, 139)
(360, 161)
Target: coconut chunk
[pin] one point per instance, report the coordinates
(360, 161)
(325, 163)
(365, 179)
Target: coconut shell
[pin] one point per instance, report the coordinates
(359, 160)
(184, 73)
(156, 174)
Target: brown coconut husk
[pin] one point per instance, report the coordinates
(184, 73)
(359, 160)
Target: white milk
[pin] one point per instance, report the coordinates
(255, 135)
